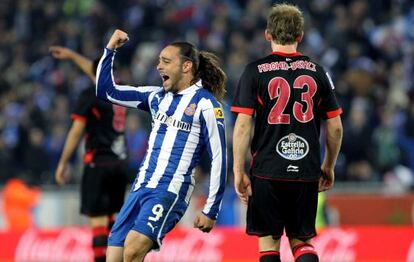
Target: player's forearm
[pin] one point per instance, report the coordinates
(213, 204)
(241, 141)
(104, 82)
(106, 88)
(124, 95)
(84, 64)
(333, 141)
(218, 153)
(217, 186)
(74, 137)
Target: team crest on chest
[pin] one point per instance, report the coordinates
(190, 110)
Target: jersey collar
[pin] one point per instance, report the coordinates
(191, 88)
(287, 54)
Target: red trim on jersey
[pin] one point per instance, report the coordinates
(96, 113)
(243, 110)
(302, 249)
(287, 54)
(260, 100)
(267, 253)
(99, 252)
(99, 231)
(76, 117)
(252, 160)
(332, 114)
(89, 156)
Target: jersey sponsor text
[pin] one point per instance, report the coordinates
(292, 147)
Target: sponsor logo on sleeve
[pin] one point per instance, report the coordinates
(292, 147)
(218, 112)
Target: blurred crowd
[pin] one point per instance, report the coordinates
(366, 45)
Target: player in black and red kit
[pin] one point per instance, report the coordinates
(289, 94)
(104, 177)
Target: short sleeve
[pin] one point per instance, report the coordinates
(328, 106)
(83, 106)
(246, 93)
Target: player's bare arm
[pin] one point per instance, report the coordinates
(118, 39)
(204, 223)
(333, 144)
(74, 137)
(241, 138)
(61, 52)
(81, 61)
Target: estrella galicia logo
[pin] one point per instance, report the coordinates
(292, 147)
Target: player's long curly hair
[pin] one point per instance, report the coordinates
(205, 67)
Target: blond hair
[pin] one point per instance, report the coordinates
(285, 23)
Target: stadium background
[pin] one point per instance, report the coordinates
(366, 45)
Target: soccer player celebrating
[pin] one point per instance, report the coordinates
(289, 95)
(187, 118)
(104, 177)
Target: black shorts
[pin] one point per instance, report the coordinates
(103, 188)
(282, 205)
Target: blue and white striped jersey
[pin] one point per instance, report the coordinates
(183, 125)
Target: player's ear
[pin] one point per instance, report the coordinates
(299, 38)
(187, 66)
(268, 36)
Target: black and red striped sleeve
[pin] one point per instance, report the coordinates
(245, 97)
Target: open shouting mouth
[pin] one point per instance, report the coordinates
(164, 78)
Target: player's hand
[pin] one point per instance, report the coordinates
(204, 223)
(118, 39)
(62, 174)
(327, 179)
(242, 186)
(60, 52)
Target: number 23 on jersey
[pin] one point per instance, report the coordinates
(280, 90)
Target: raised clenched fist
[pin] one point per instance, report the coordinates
(118, 39)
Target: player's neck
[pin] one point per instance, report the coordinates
(287, 49)
(184, 83)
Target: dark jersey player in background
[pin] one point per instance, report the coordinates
(289, 95)
(104, 177)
